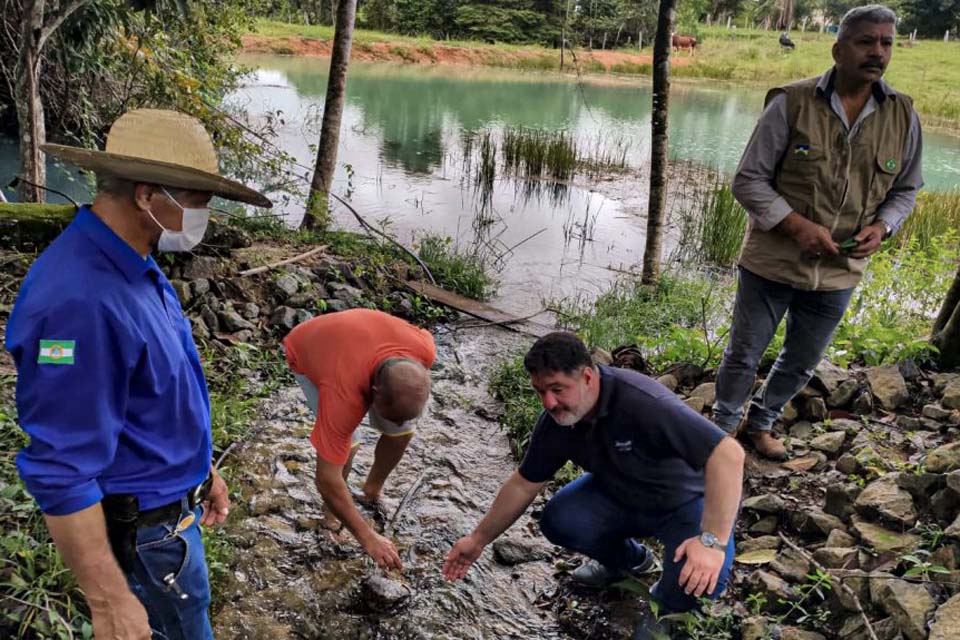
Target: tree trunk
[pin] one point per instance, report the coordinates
(317, 215)
(946, 330)
(659, 143)
(29, 106)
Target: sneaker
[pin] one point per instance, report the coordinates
(593, 574)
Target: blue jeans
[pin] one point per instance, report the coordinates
(162, 552)
(812, 318)
(583, 518)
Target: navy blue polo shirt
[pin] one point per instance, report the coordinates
(642, 443)
(109, 386)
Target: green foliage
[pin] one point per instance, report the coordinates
(936, 214)
(521, 405)
(463, 272)
(713, 229)
(918, 566)
(809, 595)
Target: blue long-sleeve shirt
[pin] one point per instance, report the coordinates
(109, 386)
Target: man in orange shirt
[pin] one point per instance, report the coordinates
(350, 364)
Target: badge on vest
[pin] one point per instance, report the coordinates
(801, 150)
(56, 351)
(890, 165)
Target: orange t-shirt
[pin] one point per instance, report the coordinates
(339, 353)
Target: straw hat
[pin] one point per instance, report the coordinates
(161, 147)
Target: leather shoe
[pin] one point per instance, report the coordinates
(767, 445)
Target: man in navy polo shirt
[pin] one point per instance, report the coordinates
(653, 468)
(110, 388)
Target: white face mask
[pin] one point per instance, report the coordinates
(193, 227)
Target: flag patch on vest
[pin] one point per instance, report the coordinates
(802, 150)
(890, 165)
(56, 351)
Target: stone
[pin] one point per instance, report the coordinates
(952, 480)
(951, 395)
(908, 423)
(909, 604)
(801, 430)
(813, 409)
(789, 414)
(828, 377)
(766, 503)
(182, 290)
(795, 633)
(200, 287)
(909, 370)
(383, 594)
(836, 557)
(954, 529)
(829, 443)
(199, 329)
(755, 628)
(697, 404)
(286, 286)
(772, 587)
(209, 318)
(231, 321)
(922, 485)
(944, 504)
(791, 565)
(250, 311)
(863, 405)
(847, 464)
(840, 500)
(303, 315)
(686, 373)
(944, 459)
(946, 622)
(764, 526)
(346, 293)
(885, 500)
(936, 412)
(206, 267)
(850, 427)
(601, 356)
(887, 386)
(943, 380)
(758, 544)
(514, 551)
(840, 539)
(283, 318)
(859, 582)
(707, 391)
(334, 305)
(814, 523)
(669, 381)
(884, 540)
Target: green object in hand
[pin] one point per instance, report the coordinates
(849, 245)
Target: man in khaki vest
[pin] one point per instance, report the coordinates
(833, 168)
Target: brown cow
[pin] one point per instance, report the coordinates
(684, 42)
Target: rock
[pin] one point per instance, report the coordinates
(936, 412)
(755, 628)
(840, 499)
(669, 381)
(863, 405)
(828, 377)
(791, 565)
(250, 311)
(814, 523)
(908, 423)
(812, 409)
(514, 551)
(764, 526)
(952, 480)
(847, 464)
(921, 485)
(772, 587)
(334, 305)
(844, 394)
(795, 633)
(601, 356)
(302, 300)
(209, 318)
(286, 286)
(943, 380)
(951, 395)
(884, 499)
(887, 386)
(757, 544)
(303, 315)
(946, 622)
(206, 267)
(789, 414)
(801, 430)
(707, 391)
(909, 604)
(200, 287)
(944, 459)
(283, 318)
(836, 557)
(883, 540)
(199, 329)
(840, 539)
(766, 503)
(231, 321)
(909, 370)
(686, 373)
(697, 404)
(349, 294)
(954, 529)
(850, 427)
(829, 442)
(383, 594)
(182, 290)
(945, 504)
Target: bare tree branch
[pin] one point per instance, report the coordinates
(54, 19)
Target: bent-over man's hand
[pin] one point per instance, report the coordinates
(382, 551)
(814, 239)
(461, 558)
(702, 569)
(217, 505)
(122, 618)
(869, 240)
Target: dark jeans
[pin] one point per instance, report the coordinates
(582, 517)
(162, 552)
(812, 317)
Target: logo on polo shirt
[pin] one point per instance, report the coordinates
(623, 446)
(56, 351)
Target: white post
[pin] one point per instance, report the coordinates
(913, 36)
(946, 36)
(803, 28)
(729, 18)
(639, 40)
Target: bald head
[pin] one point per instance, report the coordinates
(401, 388)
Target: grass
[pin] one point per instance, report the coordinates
(713, 229)
(936, 214)
(535, 153)
(462, 271)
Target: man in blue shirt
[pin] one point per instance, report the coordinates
(654, 468)
(110, 387)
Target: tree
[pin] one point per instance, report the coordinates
(659, 143)
(946, 329)
(39, 21)
(318, 203)
(931, 17)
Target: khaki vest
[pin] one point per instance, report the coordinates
(834, 182)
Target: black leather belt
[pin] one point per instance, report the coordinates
(171, 512)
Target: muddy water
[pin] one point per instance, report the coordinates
(292, 579)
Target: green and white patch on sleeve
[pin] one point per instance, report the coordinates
(56, 351)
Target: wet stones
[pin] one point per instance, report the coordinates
(514, 551)
(382, 594)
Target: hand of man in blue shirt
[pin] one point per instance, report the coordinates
(217, 505)
(702, 569)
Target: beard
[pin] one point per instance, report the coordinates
(567, 417)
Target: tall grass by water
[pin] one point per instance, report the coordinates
(937, 213)
(536, 153)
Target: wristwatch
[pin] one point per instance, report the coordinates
(887, 228)
(711, 541)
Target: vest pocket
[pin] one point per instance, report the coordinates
(885, 174)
